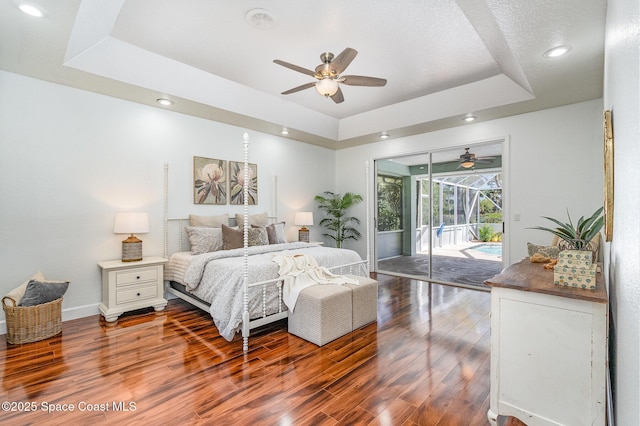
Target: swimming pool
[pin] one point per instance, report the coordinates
(495, 249)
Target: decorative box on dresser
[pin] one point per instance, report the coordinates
(548, 349)
(127, 286)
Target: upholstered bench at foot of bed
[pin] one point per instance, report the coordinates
(365, 301)
(322, 313)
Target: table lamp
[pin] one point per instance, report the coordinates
(303, 219)
(131, 223)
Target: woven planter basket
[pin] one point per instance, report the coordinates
(27, 324)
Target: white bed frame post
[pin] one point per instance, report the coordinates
(245, 212)
(166, 210)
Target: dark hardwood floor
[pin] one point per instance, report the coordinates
(425, 362)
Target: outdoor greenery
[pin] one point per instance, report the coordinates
(489, 210)
(337, 221)
(485, 233)
(389, 203)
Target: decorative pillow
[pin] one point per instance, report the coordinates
(209, 221)
(234, 238)
(254, 219)
(550, 252)
(39, 292)
(204, 239)
(17, 293)
(275, 232)
(258, 237)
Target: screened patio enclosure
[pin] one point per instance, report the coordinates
(445, 226)
(464, 207)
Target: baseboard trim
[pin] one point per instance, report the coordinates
(67, 314)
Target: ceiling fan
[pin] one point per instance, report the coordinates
(469, 159)
(328, 75)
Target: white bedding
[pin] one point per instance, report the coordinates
(218, 277)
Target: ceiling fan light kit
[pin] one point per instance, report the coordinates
(468, 160)
(327, 86)
(328, 75)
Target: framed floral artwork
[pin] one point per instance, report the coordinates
(236, 193)
(209, 181)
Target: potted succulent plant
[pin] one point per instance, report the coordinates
(580, 236)
(335, 206)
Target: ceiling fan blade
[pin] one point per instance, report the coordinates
(484, 160)
(299, 88)
(359, 80)
(338, 96)
(342, 61)
(294, 67)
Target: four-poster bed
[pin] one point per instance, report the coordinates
(241, 287)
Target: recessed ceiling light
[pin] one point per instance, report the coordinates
(284, 131)
(469, 118)
(384, 135)
(164, 101)
(30, 9)
(556, 51)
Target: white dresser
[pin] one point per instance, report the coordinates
(127, 286)
(548, 349)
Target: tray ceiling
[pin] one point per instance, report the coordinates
(442, 59)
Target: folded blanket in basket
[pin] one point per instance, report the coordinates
(16, 294)
(300, 271)
(35, 291)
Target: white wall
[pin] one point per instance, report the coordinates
(622, 260)
(70, 159)
(554, 163)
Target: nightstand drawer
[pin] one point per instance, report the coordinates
(136, 276)
(128, 286)
(140, 293)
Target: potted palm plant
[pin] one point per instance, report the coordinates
(580, 236)
(337, 221)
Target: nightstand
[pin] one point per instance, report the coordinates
(127, 286)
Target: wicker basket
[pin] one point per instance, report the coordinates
(32, 323)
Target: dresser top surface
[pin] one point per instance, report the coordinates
(528, 276)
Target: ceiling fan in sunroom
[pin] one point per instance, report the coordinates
(328, 75)
(469, 159)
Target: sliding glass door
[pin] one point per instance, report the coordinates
(439, 221)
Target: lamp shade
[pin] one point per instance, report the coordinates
(303, 218)
(131, 223)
